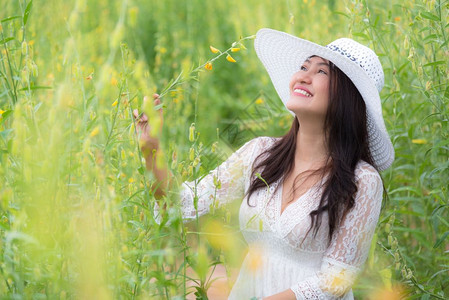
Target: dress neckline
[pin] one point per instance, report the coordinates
(294, 202)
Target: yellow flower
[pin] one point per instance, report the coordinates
(114, 81)
(95, 131)
(213, 49)
(1, 112)
(397, 19)
(419, 141)
(259, 101)
(255, 260)
(115, 103)
(235, 49)
(229, 58)
(208, 66)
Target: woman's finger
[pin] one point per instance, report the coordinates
(136, 113)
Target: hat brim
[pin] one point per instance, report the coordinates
(282, 55)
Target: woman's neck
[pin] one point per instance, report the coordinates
(311, 150)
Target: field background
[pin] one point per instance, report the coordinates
(76, 204)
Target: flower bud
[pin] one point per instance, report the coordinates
(213, 49)
(230, 58)
(208, 66)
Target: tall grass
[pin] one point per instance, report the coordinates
(76, 203)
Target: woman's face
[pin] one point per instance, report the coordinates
(309, 89)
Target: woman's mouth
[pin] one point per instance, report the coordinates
(302, 92)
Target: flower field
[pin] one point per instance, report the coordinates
(76, 201)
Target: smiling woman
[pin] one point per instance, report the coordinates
(310, 89)
(316, 190)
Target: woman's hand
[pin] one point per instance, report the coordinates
(149, 144)
(150, 147)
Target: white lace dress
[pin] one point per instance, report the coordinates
(287, 258)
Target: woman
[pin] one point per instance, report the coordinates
(316, 191)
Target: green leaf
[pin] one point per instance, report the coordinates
(4, 134)
(36, 87)
(27, 12)
(429, 16)
(441, 239)
(9, 19)
(141, 170)
(5, 40)
(137, 224)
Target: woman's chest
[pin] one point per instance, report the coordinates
(264, 212)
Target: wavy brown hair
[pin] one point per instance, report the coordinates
(346, 133)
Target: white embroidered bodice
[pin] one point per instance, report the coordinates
(287, 257)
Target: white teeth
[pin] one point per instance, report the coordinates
(302, 92)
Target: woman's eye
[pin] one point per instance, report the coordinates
(323, 72)
(303, 68)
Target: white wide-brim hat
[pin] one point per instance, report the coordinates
(282, 55)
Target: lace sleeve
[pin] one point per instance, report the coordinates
(350, 246)
(222, 185)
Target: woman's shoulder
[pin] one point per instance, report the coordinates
(366, 172)
(260, 142)
(256, 146)
(264, 141)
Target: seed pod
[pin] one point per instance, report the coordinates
(192, 132)
(409, 274)
(404, 273)
(390, 239)
(196, 161)
(387, 228)
(25, 76)
(395, 243)
(192, 154)
(406, 42)
(24, 48)
(34, 69)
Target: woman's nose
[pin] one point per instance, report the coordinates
(303, 76)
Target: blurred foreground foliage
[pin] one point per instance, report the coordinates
(76, 205)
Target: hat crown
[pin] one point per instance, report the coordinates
(362, 56)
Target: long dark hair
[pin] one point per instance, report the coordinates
(345, 128)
